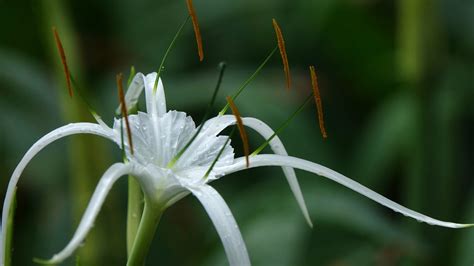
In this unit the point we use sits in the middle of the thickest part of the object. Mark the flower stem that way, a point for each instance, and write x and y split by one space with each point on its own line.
145 234
9 230
134 211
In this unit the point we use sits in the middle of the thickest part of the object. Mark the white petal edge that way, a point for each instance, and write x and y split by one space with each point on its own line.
95 204
133 92
155 100
278 148
218 123
278 160
224 223
67 130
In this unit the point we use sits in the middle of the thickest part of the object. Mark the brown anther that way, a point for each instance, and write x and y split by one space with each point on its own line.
317 99
240 125
123 108
284 56
63 60
197 32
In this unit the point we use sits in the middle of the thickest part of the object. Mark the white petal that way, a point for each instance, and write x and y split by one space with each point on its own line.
155 101
206 138
105 184
278 160
157 141
133 92
278 148
203 153
217 124
224 223
71 129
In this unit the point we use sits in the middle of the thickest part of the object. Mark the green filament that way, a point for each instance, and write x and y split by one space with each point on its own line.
222 67
284 125
252 77
219 154
80 92
130 77
168 51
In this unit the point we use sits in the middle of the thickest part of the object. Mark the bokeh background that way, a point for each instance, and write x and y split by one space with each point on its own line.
397 81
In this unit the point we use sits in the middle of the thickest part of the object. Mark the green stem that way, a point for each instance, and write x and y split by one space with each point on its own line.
135 208
9 230
145 234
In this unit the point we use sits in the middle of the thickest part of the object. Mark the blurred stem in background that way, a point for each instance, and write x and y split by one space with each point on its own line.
411 32
86 156
412 24
419 43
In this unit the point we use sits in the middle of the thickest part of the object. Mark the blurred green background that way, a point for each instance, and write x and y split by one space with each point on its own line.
397 81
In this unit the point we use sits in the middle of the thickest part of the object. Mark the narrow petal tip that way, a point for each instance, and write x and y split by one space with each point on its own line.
44 262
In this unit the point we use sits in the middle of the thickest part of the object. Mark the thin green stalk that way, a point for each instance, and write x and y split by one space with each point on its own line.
222 67
131 75
145 234
134 211
220 153
168 51
283 126
252 77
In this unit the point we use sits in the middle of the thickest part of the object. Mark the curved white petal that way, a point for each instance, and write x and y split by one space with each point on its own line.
105 184
278 148
224 223
155 100
133 92
278 160
217 124
71 129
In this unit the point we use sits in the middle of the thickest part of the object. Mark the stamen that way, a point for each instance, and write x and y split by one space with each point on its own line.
222 67
63 60
252 77
219 154
240 125
168 51
124 110
197 32
284 56
284 125
317 99
70 79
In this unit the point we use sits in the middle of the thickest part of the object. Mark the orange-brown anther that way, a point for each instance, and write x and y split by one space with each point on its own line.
284 56
317 99
63 60
197 32
240 125
123 107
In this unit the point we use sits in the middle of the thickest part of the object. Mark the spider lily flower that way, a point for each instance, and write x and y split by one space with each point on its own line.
158 137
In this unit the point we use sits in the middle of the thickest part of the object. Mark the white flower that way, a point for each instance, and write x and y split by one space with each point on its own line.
158 136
